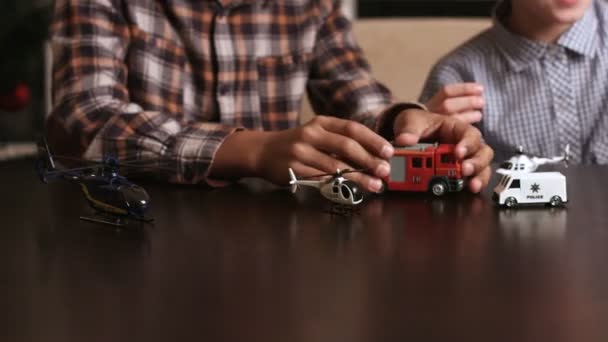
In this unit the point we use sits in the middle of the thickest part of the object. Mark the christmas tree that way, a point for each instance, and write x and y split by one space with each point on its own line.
23 28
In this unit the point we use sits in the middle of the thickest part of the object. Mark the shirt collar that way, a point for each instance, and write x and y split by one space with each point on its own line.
520 52
582 36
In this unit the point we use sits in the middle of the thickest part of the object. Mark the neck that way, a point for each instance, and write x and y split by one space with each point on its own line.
532 28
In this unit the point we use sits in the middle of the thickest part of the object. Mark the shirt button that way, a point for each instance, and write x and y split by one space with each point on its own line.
224 89
222 13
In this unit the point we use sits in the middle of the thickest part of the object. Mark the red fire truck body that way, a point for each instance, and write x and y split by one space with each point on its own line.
425 167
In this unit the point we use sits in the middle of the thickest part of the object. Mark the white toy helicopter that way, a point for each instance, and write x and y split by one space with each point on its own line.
522 163
337 189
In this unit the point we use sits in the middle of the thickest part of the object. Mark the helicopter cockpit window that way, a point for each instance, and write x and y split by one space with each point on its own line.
134 195
357 193
345 191
355 190
334 189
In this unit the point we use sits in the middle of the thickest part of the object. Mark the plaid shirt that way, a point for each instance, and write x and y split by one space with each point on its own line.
539 96
170 80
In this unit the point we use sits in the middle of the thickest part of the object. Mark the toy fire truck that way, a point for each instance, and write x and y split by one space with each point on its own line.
425 167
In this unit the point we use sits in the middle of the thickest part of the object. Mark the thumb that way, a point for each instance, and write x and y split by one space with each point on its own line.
414 124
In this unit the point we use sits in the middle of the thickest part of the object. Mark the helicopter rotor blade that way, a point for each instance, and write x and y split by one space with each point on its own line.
80 160
336 174
121 164
317 176
119 161
65 171
353 171
150 167
44 152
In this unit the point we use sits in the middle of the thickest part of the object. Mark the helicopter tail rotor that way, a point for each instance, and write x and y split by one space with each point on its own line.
44 153
293 181
45 163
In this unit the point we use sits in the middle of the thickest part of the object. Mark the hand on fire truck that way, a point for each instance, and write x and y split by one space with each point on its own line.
413 125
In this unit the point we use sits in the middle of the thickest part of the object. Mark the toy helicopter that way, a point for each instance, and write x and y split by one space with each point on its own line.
520 184
522 163
343 193
114 199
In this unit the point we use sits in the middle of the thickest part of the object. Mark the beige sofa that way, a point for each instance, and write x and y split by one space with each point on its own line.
402 51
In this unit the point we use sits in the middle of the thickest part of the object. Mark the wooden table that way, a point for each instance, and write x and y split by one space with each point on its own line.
255 263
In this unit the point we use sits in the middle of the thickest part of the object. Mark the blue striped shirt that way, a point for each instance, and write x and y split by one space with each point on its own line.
540 96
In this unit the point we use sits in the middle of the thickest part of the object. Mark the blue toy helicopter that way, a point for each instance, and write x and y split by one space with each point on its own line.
113 197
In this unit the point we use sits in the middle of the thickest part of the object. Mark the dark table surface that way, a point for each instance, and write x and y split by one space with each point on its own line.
254 262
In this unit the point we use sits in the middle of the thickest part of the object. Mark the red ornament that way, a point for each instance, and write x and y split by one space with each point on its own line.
16 99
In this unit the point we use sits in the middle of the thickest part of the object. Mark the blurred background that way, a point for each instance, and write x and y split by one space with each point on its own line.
23 31
24 89
423 8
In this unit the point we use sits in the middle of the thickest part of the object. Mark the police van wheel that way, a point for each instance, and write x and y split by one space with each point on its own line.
439 188
511 202
555 201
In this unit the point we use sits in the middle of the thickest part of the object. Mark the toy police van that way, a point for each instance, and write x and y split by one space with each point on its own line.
531 188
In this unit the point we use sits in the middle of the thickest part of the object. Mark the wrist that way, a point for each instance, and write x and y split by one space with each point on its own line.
240 155
386 124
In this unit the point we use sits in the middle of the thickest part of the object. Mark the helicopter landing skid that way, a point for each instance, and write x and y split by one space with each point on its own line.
112 221
342 210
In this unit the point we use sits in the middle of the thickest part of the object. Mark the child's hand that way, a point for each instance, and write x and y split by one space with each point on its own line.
412 125
324 145
463 101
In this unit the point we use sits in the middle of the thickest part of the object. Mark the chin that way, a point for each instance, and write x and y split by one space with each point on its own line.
570 11
569 17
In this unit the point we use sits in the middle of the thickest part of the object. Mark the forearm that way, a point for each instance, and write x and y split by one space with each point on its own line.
240 155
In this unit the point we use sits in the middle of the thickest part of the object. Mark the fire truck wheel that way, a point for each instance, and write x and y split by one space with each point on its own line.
555 201
511 202
439 188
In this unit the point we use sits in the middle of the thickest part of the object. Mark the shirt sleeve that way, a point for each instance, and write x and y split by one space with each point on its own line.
93 116
340 81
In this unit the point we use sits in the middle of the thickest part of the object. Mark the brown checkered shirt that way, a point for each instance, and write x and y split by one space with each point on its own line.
171 79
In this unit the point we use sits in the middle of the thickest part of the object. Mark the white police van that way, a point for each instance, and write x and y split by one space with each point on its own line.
531 188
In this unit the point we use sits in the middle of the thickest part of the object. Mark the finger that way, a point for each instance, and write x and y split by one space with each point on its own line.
461 89
460 104
479 182
352 152
466 137
454 90
304 171
370 184
469 117
413 124
368 139
480 161
318 160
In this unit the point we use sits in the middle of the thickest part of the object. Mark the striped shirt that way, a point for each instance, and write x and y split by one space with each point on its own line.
539 96
170 80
